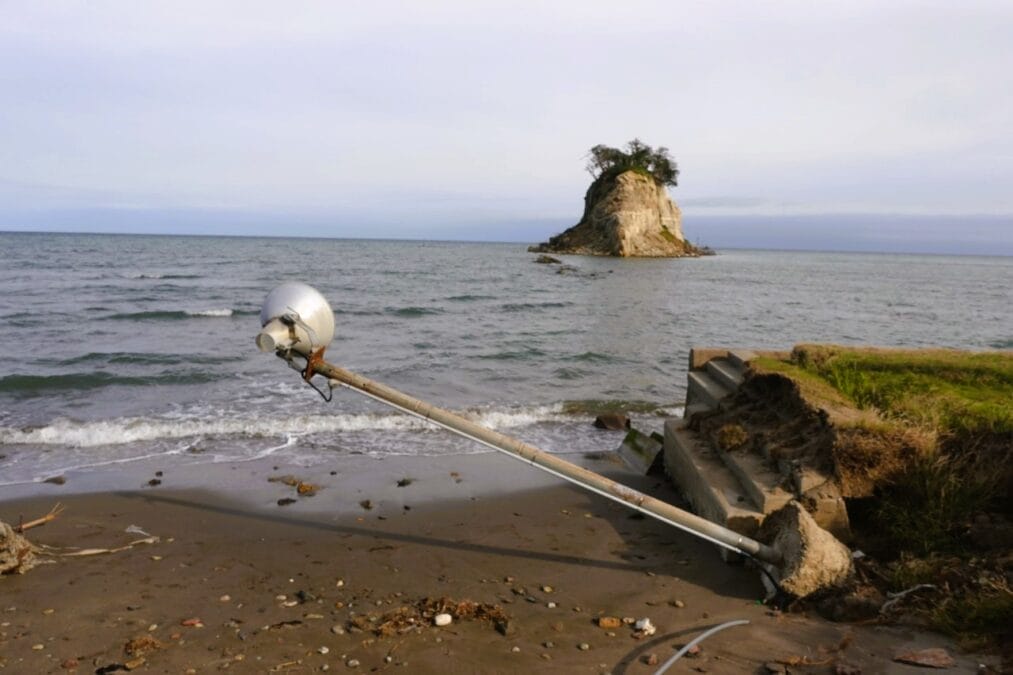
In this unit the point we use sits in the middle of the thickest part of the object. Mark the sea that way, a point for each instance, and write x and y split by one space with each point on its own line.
123 348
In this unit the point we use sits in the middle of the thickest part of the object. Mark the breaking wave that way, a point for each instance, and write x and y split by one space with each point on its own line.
70 433
176 315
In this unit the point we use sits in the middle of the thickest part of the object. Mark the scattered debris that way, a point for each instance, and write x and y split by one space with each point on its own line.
934 657
17 554
306 489
548 260
609 622
142 645
366 504
505 627
428 611
897 597
645 628
154 482
405 482
53 513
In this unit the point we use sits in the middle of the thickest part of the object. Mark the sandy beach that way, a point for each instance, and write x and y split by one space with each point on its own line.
238 582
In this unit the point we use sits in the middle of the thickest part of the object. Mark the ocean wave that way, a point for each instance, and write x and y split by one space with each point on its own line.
597 406
518 355
526 306
153 275
36 385
140 358
64 432
166 315
470 298
211 312
412 312
591 357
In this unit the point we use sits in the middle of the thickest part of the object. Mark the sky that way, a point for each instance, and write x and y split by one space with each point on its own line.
846 125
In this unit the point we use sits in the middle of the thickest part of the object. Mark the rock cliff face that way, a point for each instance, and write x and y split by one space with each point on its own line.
629 215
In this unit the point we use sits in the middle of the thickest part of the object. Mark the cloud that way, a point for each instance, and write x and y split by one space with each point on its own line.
487 108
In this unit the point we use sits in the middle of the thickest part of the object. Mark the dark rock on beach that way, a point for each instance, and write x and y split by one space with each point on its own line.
614 421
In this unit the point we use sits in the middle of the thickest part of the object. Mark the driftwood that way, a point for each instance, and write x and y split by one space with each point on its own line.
53 513
18 555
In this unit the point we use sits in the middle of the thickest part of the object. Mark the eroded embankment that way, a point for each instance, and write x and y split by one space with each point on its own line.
919 443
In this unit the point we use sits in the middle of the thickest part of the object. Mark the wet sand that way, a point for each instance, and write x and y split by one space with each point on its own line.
278 588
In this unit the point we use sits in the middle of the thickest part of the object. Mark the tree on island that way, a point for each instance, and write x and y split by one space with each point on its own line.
607 162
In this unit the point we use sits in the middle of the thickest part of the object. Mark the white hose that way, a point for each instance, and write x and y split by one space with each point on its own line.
678 655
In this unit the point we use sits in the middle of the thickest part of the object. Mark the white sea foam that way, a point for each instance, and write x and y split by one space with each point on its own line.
211 312
69 433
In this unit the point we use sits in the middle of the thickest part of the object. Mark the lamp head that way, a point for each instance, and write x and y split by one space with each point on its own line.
295 318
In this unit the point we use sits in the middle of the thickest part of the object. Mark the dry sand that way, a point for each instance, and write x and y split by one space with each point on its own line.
272 584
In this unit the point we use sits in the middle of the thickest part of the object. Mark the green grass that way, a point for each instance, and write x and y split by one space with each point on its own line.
925 509
951 391
976 620
961 403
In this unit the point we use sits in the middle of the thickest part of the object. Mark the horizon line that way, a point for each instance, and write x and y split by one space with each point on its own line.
476 241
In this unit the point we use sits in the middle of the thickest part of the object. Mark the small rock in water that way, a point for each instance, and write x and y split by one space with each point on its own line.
650 659
154 482
442 619
285 501
323 650
337 629
547 589
55 480
583 646
515 649
614 421
352 663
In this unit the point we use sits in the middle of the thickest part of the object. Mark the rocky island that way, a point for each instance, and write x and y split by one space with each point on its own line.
627 210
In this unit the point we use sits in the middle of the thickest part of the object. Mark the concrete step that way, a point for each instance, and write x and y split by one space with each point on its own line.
726 373
759 481
706 482
704 389
691 410
638 450
741 357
